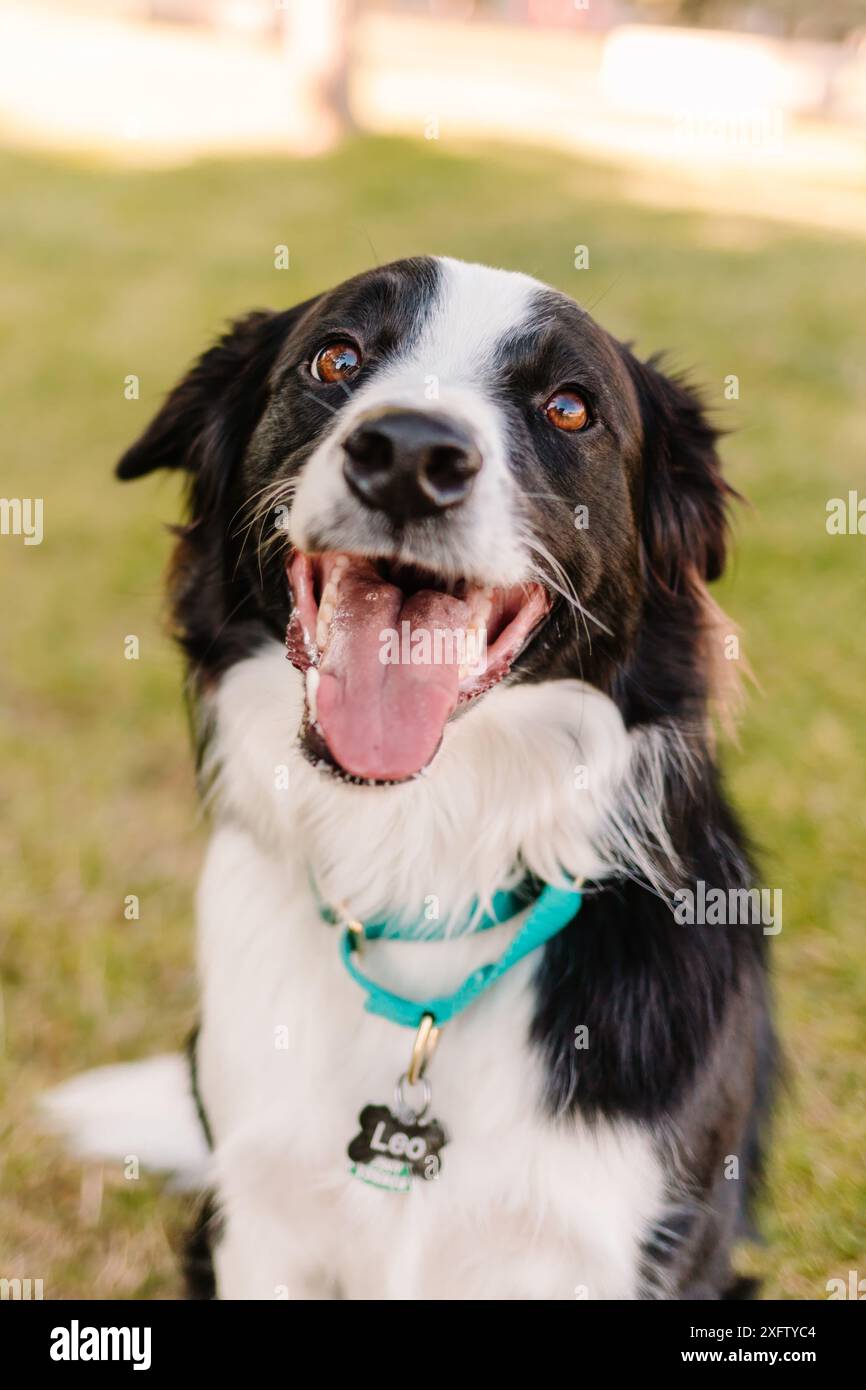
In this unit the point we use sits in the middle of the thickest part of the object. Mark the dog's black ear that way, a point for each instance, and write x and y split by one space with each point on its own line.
213 410
684 651
685 499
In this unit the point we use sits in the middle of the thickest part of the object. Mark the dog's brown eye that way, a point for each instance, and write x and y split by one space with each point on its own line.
335 362
567 410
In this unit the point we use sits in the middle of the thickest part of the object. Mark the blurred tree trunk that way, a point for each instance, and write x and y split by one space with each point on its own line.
317 38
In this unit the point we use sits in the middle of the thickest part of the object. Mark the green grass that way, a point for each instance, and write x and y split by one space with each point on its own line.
107 273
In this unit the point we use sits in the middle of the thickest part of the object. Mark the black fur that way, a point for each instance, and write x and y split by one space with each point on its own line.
197 1255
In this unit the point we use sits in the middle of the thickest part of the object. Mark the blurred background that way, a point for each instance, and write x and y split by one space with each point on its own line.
694 173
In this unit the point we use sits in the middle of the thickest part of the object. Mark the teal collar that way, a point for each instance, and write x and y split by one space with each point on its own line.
552 910
505 905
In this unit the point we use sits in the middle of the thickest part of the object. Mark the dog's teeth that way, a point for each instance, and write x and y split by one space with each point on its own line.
312 680
469 635
482 608
326 613
328 601
324 622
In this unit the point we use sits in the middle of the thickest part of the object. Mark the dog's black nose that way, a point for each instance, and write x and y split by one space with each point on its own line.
409 464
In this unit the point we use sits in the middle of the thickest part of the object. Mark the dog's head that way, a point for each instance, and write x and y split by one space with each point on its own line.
432 479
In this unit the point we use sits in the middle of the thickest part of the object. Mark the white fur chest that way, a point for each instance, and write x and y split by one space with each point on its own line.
524 1207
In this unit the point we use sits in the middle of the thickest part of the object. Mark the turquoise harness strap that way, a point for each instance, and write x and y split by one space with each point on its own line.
553 910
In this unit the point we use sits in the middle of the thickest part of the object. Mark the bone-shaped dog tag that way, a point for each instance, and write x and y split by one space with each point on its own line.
389 1150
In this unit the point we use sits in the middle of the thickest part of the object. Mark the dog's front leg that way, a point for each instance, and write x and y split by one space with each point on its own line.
273 1229
256 1256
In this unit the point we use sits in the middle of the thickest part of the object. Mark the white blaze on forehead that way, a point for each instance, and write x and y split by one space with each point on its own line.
447 366
475 309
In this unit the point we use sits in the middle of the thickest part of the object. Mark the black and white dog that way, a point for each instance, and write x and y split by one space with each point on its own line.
436 448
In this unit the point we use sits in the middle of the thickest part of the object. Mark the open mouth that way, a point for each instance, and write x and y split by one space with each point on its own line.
389 653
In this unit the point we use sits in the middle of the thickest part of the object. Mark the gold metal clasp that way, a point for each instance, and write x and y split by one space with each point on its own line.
351 924
422 1049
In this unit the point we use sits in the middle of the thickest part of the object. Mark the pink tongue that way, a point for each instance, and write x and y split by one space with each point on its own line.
384 719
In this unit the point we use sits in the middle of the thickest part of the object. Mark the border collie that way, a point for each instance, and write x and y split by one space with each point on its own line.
429 455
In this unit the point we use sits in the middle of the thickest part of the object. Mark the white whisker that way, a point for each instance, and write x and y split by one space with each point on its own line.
324 404
564 587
